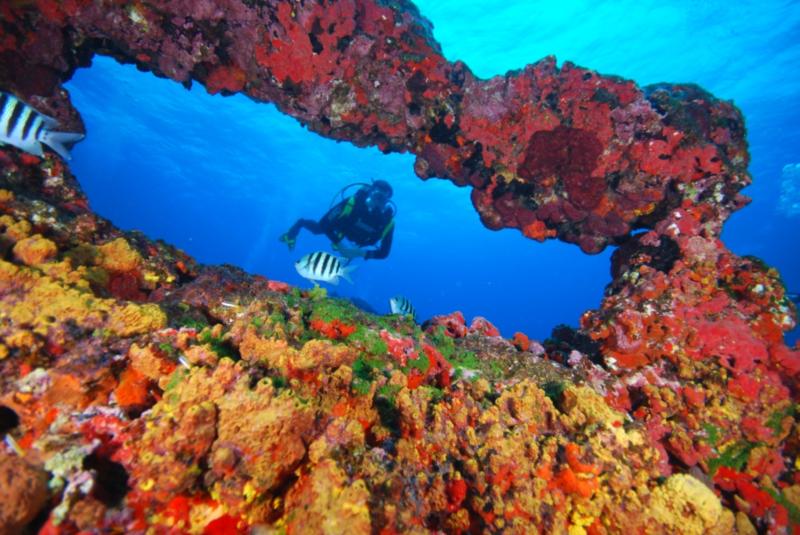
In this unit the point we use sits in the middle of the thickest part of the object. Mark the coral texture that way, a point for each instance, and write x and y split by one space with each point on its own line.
555 152
159 395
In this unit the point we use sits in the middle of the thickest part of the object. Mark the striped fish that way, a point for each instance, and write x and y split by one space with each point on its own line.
401 305
25 128
324 267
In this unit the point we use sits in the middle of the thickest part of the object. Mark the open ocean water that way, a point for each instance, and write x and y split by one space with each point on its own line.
223 177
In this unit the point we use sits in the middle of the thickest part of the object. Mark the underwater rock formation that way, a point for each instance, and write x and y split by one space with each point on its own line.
555 152
156 393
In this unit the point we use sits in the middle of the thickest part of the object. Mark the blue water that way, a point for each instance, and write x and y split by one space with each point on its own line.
223 177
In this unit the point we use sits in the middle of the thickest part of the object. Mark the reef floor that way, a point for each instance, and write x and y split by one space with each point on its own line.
142 392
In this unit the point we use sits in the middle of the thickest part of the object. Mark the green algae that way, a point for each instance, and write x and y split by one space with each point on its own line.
218 344
364 373
187 316
317 293
775 421
279 382
328 309
446 345
464 361
175 379
554 390
389 392
421 363
712 433
368 341
435 394
735 456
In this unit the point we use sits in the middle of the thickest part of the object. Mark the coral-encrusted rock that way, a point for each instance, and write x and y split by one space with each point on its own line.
229 402
331 503
23 493
34 250
287 409
166 461
262 433
685 493
551 151
118 255
35 300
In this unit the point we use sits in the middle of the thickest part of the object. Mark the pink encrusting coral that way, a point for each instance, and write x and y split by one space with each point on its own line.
159 395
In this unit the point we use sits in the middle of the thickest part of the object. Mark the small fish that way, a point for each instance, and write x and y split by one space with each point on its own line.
25 128
794 297
401 305
324 267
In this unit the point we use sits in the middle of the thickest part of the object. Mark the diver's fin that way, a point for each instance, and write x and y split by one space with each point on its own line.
61 142
288 240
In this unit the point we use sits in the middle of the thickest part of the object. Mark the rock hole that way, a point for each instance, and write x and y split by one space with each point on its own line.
8 419
111 479
223 177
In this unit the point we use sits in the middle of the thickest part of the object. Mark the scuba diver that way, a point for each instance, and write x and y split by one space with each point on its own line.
364 218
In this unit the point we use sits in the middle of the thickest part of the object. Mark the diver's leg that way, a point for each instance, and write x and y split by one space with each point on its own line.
314 227
290 236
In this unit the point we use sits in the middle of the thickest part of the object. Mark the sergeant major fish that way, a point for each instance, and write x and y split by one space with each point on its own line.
25 128
401 305
322 266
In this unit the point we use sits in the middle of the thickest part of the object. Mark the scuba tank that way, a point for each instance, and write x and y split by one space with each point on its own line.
340 196
363 186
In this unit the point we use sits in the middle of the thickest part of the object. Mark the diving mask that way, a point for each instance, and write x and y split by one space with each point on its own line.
376 199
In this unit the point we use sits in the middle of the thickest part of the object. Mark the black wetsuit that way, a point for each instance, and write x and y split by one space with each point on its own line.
352 219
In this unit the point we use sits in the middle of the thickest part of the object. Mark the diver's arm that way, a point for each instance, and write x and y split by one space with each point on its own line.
383 249
334 215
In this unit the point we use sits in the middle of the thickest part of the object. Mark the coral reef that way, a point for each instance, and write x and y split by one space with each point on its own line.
200 399
555 152
142 392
